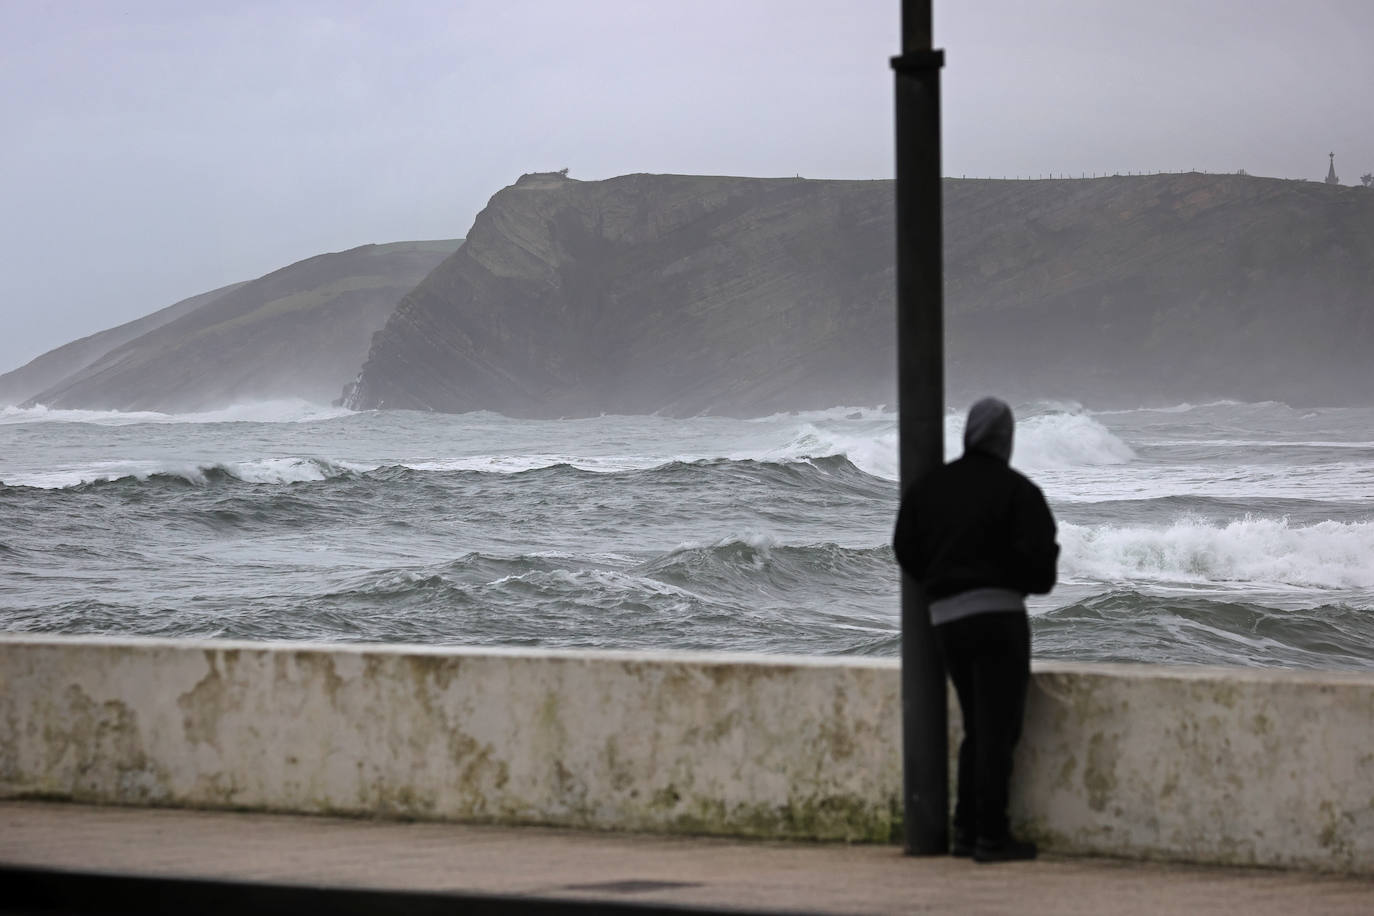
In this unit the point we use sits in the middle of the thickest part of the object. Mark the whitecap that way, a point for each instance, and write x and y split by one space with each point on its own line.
1067 440
289 410
265 470
872 412
288 470
1253 552
872 451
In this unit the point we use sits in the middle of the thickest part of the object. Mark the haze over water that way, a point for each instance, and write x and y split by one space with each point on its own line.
1223 533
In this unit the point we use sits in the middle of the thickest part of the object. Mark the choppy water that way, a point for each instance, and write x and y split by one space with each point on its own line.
1223 533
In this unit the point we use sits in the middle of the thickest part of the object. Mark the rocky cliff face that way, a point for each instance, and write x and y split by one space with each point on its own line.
299 332
647 293
1163 288
686 295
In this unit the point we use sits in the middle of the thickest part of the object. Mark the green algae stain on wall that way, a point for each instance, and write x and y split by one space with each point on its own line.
1158 765
1099 774
1336 835
430 674
477 775
203 704
95 752
320 665
845 818
1064 780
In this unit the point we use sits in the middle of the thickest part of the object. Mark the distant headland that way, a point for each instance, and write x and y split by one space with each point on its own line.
685 295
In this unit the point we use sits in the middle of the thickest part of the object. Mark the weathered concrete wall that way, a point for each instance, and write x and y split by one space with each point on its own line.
1237 766
1207 765
715 744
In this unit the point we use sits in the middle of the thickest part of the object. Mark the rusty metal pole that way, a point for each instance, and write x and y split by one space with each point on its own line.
921 431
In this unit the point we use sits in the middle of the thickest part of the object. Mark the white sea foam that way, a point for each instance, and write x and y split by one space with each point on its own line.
1270 443
1049 441
1045 441
878 412
873 451
1053 440
265 470
1248 552
1036 408
1066 440
100 471
288 470
1188 407
291 410
41 414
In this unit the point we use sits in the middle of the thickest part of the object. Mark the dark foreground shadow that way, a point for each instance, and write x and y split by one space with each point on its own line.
75 893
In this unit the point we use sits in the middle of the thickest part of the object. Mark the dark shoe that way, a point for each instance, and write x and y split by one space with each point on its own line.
1009 850
962 847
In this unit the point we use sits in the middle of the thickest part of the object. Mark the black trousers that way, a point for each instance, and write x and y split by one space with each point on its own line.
988 659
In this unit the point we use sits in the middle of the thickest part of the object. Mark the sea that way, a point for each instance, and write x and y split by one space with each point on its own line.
1225 533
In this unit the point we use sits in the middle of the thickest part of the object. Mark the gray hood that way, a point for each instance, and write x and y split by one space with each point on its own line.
989 428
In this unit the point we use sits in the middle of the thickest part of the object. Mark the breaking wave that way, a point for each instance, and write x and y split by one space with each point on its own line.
1042 441
1066 440
874 452
290 410
287 470
1232 533
1254 551
262 471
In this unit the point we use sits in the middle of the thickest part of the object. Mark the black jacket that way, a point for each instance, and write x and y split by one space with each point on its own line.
976 523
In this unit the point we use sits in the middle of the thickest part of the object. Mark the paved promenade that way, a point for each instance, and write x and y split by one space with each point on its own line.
767 877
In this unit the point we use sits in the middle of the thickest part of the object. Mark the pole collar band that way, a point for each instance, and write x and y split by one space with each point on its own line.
919 61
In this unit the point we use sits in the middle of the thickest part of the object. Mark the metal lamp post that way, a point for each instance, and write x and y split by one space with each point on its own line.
920 384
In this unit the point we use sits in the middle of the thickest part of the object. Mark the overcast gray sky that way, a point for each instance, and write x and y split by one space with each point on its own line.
155 149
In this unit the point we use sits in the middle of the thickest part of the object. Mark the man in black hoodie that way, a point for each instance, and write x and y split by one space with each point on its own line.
978 537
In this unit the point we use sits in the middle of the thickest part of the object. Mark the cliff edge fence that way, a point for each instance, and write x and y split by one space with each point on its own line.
1207 765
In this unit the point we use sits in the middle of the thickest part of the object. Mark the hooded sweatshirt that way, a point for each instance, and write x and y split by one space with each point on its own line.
976 534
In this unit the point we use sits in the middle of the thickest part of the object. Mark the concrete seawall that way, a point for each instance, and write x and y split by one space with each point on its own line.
1204 765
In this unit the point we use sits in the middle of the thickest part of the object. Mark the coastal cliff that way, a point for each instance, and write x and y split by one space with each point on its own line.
649 293
298 332
50 368
1160 289
686 295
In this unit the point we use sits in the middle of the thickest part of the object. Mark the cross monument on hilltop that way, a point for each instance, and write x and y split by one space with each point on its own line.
1331 171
